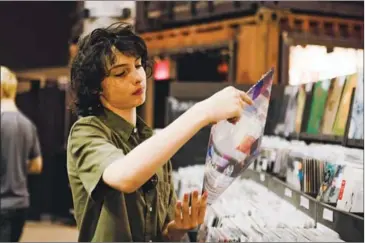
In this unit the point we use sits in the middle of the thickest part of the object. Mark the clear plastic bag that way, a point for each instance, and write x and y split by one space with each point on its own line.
233 147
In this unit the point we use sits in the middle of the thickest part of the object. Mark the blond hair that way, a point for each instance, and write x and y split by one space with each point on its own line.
8 83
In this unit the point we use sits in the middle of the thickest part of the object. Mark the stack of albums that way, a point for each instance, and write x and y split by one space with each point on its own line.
249 212
329 173
323 107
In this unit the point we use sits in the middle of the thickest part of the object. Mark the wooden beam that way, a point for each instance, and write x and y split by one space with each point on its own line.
258 40
148 110
258 47
195 35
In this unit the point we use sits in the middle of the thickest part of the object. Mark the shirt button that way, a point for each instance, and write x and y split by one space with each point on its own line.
135 130
150 209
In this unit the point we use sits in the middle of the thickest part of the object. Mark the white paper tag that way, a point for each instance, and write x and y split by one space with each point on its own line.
264 164
288 192
273 155
328 214
262 177
304 202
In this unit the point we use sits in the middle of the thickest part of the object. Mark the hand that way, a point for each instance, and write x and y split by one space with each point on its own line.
187 218
225 104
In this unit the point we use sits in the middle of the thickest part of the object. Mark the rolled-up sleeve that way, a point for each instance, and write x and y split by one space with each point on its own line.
92 151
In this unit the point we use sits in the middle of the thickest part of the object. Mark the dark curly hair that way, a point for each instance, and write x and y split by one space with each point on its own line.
88 68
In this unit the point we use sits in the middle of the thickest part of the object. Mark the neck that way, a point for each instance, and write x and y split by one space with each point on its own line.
8 105
130 115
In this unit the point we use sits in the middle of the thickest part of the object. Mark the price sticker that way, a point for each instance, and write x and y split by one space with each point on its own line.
304 202
288 192
262 177
328 214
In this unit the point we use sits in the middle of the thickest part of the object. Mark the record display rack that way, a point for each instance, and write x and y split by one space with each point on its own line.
322 138
329 139
355 143
349 226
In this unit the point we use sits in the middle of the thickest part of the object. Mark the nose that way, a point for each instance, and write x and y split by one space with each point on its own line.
137 77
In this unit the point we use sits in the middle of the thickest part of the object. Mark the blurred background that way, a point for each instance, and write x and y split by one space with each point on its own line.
198 47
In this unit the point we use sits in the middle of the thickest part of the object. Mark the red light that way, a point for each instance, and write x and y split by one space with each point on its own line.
223 68
162 70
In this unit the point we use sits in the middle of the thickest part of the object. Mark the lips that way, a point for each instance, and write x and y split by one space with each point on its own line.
138 91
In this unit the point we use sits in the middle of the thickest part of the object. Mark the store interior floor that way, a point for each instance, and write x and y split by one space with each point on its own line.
47 231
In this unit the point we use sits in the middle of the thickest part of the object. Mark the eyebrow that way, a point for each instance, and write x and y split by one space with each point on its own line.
119 65
122 65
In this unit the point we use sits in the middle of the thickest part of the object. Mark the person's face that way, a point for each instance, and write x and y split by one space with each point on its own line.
125 84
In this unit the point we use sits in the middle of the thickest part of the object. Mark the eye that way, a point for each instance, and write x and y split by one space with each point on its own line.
138 66
120 74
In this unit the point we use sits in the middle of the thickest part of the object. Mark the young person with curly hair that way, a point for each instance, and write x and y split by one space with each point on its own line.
120 175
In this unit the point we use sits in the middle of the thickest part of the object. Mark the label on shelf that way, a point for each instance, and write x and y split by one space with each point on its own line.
327 214
264 164
304 202
288 192
262 177
273 155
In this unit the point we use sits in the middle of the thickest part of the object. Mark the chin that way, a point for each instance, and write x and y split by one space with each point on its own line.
140 101
139 104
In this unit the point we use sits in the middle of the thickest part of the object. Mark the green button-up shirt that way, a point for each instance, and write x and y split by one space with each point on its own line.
103 213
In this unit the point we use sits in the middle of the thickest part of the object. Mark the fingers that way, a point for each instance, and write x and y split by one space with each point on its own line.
241 103
245 97
242 100
185 211
241 94
203 207
178 211
186 220
195 205
239 108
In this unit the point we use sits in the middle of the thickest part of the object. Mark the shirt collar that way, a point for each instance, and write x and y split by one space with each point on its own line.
123 127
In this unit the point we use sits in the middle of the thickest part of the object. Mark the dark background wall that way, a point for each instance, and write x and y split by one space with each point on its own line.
35 34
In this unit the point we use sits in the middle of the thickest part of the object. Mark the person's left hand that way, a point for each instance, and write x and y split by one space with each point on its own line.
188 218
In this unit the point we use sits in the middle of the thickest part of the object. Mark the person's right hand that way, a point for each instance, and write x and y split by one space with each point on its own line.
225 104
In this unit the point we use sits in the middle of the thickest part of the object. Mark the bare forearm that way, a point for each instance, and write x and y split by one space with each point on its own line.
35 165
133 170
